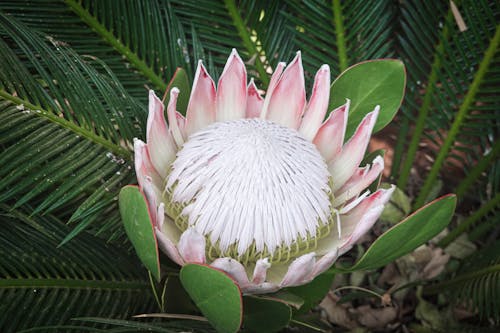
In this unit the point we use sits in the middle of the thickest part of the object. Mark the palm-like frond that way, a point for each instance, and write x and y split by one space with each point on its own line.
451 60
74 76
477 284
129 37
66 128
41 284
341 34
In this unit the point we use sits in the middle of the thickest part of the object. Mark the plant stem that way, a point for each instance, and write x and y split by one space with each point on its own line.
359 288
132 57
478 169
247 41
438 287
84 133
425 107
338 24
400 147
465 225
460 118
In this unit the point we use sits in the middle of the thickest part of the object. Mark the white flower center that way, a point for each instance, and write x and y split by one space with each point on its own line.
253 188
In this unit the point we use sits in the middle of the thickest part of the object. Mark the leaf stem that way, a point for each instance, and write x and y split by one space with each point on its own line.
108 36
112 147
460 118
338 24
478 169
425 107
247 41
359 288
465 225
438 287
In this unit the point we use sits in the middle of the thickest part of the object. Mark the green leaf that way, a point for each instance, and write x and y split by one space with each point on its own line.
85 277
137 222
285 297
368 84
409 234
314 291
216 295
181 81
264 315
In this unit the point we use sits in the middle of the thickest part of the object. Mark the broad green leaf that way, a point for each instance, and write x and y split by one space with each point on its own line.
216 295
314 291
180 80
265 315
409 234
285 297
138 226
368 84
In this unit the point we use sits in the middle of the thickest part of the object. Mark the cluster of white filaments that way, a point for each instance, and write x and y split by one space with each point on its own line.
251 187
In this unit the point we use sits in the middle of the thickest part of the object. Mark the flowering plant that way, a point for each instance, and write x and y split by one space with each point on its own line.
262 193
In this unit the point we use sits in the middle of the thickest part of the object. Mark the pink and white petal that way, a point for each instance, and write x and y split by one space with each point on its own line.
272 85
232 90
192 246
164 239
288 99
168 248
260 271
152 194
233 268
143 166
380 197
299 271
324 263
254 101
318 104
358 182
263 288
201 108
161 146
176 121
356 230
362 217
346 163
330 137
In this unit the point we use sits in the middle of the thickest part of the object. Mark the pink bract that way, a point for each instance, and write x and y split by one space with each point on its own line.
352 208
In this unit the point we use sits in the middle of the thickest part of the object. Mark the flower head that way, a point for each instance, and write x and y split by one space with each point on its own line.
261 188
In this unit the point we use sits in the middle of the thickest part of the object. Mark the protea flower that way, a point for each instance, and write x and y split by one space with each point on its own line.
260 188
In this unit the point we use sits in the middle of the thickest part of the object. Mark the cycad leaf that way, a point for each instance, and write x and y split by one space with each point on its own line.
66 128
84 278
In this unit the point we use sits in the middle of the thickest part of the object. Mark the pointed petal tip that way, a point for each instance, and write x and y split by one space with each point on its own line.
174 91
138 144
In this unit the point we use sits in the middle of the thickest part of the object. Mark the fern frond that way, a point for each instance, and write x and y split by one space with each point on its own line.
438 96
478 283
341 34
85 277
66 128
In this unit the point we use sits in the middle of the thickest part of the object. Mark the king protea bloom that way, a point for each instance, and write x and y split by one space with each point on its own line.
260 188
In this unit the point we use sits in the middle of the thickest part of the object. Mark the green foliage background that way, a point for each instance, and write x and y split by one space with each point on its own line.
73 87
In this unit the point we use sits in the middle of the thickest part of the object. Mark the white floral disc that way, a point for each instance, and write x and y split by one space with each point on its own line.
252 187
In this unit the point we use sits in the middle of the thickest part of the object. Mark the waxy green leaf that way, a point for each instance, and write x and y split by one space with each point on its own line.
407 235
180 80
265 315
368 84
313 292
139 229
216 295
